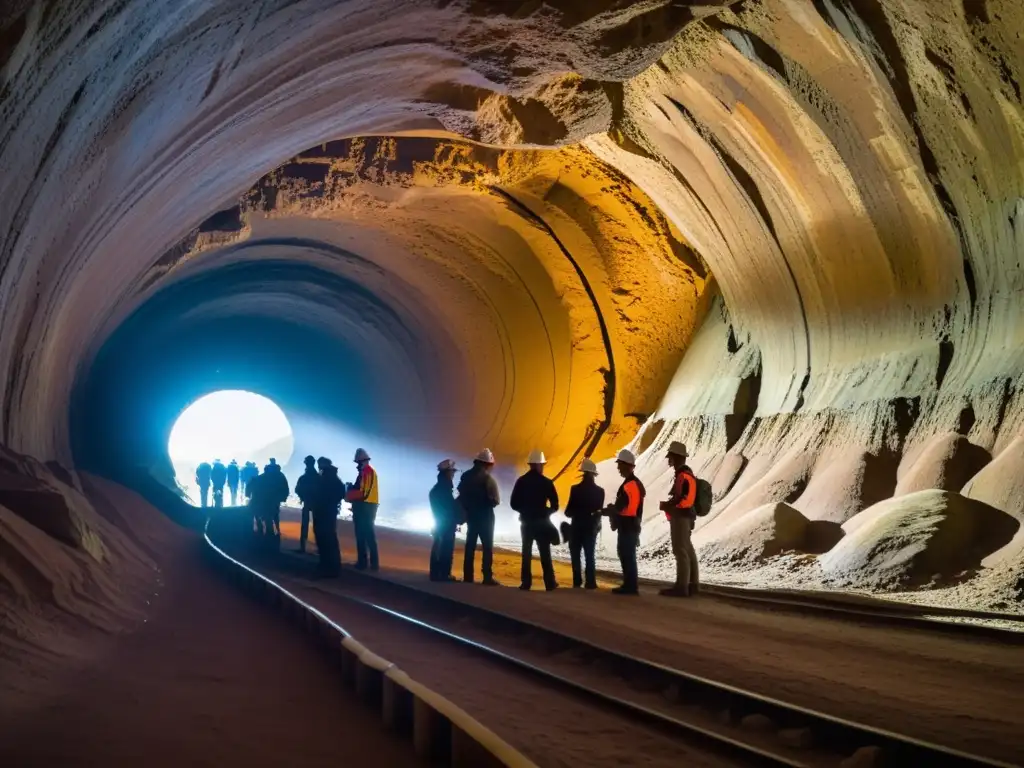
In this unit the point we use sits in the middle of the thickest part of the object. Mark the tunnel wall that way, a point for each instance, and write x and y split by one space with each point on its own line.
830 191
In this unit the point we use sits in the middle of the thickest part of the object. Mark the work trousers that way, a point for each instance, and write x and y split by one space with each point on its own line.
582 543
629 537
218 496
480 525
204 495
364 516
234 495
443 550
325 530
537 532
304 528
681 528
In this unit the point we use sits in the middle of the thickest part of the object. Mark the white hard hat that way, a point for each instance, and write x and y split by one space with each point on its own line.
536 457
446 465
626 457
588 466
678 448
361 455
485 456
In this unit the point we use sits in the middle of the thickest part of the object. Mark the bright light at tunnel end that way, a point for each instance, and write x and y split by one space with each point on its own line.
229 424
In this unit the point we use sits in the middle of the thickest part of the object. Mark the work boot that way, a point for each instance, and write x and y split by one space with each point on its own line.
674 592
590 586
550 587
624 590
525 587
490 581
694 589
360 566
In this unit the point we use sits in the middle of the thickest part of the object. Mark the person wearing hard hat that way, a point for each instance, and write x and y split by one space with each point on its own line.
305 489
446 520
586 499
365 500
534 497
679 510
203 481
478 497
627 513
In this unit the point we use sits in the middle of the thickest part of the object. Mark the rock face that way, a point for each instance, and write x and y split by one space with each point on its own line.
924 537
785 232
61 513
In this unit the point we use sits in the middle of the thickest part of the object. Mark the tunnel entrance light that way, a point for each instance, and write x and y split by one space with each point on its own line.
229 424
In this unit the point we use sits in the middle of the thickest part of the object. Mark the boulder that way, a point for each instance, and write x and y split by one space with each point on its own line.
761 533
60 512
929 537
1001 483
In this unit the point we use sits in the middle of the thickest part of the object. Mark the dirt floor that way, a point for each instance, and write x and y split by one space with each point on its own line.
958 691
210 678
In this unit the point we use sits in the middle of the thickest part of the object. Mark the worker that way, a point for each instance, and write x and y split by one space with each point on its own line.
270 491
328 491
364 497
246 476
203 481
233 477
478 497
447 516
534 497
627 513
682 518
218 476
586 500
305 489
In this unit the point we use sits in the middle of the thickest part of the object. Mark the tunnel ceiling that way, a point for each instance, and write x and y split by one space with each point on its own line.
787 231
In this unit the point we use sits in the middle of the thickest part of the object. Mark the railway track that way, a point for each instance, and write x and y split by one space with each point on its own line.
1003 627
736 724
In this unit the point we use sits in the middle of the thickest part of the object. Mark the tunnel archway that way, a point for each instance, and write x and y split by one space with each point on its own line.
229 425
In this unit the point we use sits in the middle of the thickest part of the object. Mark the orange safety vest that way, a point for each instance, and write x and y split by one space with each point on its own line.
687 500
634 497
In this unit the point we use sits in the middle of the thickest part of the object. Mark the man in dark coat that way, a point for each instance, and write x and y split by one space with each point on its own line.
233 477
534 497
447 517
478 497
328 493
586 500
305 489
218 476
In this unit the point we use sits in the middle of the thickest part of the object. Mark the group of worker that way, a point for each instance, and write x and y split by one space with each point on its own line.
217 475
535 498
321 492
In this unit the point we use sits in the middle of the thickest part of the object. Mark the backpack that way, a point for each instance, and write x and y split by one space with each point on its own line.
702 504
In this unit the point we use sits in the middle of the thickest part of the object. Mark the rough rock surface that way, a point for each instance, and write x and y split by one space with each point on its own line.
785 230
765 532
927 537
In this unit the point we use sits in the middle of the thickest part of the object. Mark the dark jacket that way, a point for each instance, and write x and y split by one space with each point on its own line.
327 491
586 500
306 486
442 503
478 491
218 474
232 475
534 497
270 489
203 474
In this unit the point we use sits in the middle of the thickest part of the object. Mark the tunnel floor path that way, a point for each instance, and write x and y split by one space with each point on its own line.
211 679
955 690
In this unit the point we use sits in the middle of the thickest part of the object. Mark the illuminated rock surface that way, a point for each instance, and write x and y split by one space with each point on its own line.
789 233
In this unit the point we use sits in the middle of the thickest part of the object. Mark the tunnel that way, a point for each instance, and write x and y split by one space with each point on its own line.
788 233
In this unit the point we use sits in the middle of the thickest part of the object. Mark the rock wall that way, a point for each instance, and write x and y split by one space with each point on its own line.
519 217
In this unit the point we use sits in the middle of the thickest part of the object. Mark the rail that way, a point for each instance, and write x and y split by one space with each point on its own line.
843 739
440 731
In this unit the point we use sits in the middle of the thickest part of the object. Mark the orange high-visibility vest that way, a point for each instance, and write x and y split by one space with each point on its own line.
684 500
